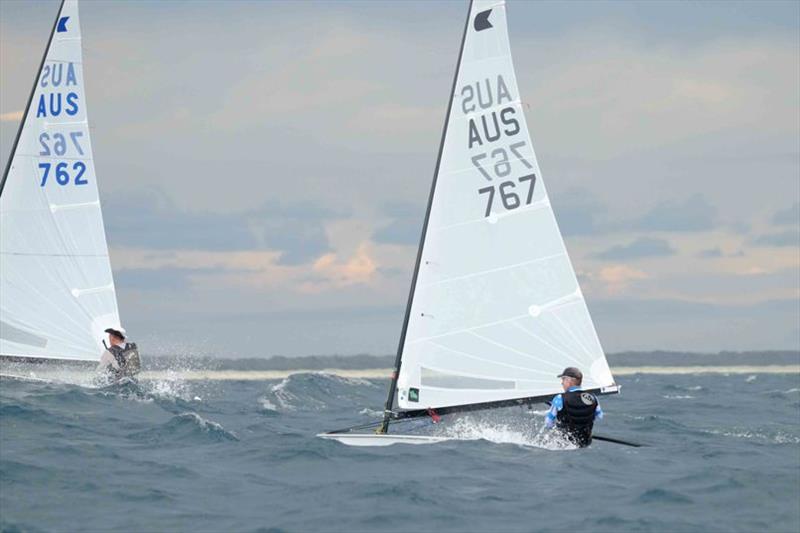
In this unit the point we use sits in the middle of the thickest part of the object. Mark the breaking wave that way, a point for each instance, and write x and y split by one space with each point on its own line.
318 391
183 429
516 432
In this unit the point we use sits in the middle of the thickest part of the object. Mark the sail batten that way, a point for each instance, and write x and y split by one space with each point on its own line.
494 300
57 289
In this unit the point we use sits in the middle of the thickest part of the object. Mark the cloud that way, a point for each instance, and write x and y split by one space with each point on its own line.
619 277
580 214
640 248
11 116
405 226
629 323
710 253
782 238
692 214
262 271
788 217
332 271
150 220
630 85
717 253
158 279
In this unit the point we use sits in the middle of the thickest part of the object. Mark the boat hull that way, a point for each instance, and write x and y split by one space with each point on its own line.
366 439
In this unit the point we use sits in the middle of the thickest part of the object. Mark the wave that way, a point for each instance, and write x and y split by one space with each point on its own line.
520 432
663 496
185 429
171 393
12 411
11 527
317 391
683 388
772 437
778 393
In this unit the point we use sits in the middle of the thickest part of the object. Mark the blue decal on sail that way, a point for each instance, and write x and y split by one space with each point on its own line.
62 25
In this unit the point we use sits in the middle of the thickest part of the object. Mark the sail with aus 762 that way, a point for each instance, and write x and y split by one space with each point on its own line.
57 290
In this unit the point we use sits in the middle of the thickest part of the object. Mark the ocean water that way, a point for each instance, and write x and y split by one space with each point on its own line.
172 455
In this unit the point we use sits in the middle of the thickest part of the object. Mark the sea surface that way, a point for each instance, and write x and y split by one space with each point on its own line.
171 454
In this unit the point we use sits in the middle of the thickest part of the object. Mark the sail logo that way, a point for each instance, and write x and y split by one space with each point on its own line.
482 21
62 25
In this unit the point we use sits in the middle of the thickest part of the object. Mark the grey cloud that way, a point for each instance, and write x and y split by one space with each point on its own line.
692 214
641 247
150 220
782 238
718 286
682 325
157 279
711 253
788 217
297 230
579 214
406 224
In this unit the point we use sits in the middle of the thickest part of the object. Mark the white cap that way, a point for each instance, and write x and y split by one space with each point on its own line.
117 329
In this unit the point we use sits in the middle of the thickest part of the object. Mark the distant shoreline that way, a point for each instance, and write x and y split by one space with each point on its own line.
380 373
377 363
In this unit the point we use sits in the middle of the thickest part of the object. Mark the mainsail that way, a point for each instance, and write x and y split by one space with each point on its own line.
495 310
57 291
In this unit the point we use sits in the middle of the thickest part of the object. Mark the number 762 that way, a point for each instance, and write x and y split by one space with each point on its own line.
510 199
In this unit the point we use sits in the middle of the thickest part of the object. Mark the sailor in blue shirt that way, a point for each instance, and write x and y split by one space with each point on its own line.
574 412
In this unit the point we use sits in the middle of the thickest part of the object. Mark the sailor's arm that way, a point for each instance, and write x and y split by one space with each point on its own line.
106 360
555 407
598 413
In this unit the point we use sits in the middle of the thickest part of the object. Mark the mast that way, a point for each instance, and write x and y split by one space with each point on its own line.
387 411
30 99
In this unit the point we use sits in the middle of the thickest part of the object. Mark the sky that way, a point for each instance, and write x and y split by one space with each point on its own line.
264 167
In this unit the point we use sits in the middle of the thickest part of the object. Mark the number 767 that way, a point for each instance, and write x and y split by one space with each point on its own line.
510 199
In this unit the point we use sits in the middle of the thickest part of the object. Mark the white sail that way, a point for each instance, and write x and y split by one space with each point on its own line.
57 291
496 311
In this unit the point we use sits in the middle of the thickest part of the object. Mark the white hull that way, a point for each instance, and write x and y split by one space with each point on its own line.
25 378
365 439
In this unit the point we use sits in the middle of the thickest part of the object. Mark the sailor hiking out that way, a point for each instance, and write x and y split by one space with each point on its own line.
120 359
574 411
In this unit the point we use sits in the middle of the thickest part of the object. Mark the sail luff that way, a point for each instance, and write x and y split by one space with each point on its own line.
398 359
30 100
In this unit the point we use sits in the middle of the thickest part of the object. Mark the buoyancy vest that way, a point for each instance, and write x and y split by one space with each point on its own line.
127 358
576 417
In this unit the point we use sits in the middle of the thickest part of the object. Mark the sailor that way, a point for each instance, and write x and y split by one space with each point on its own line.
120 358
574 411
